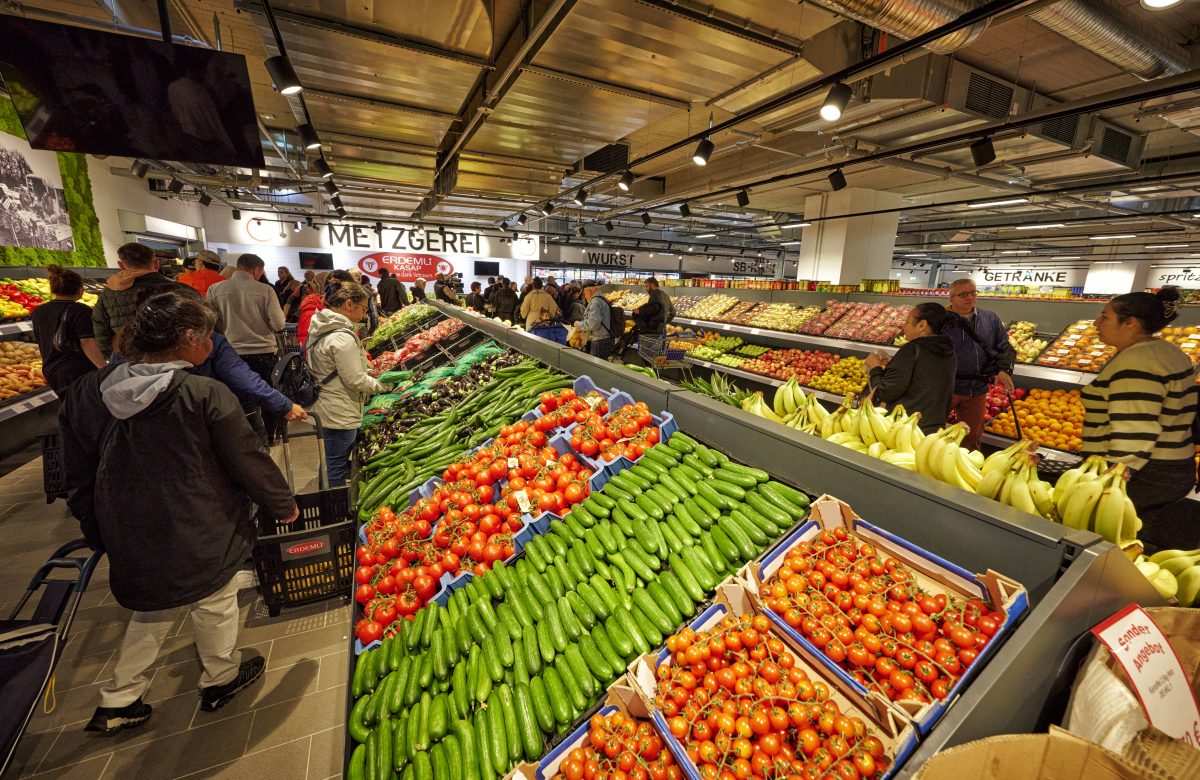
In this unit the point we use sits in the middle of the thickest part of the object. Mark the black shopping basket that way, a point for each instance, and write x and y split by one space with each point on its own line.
311 559
53 477
288 339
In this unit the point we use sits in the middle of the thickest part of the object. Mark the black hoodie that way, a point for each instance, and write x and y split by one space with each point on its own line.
921 378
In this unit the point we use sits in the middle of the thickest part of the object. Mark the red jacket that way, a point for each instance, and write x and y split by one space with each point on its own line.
308 307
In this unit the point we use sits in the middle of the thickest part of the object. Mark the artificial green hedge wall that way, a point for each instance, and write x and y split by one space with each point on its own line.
77 188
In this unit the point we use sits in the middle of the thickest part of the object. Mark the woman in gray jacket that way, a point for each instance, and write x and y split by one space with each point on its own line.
337 361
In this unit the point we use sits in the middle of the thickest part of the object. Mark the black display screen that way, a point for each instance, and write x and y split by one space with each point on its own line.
487 268
317 261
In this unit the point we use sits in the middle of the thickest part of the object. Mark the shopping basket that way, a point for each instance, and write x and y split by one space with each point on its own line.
53 478
288 339
311 559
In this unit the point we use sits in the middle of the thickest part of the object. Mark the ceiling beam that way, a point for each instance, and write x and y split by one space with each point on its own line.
729 24
607 86
387 105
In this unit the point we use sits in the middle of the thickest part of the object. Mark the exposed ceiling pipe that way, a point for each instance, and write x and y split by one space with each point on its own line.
100 24
909 19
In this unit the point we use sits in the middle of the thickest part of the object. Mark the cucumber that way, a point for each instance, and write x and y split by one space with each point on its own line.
581 671
572 685
527 726
615 661
650 506
738 535
356 770
483 747
650 469
437 759
621 642
589 597
719 499
648 626
400 743
681 442
545 642
645 537
687 578
531 650
604 501
422 766
541 705
467 749
558 634
669 483
585 616
756 534
607 597
744 481
726 547
538 587
520 669
708 455
704 512
662 599
554 579
700 569
693 461
512 730
636 514
439 718
773 511
788 492
642 600
498 740
630 628
596 663
557 693
671 583
570 623
747 515
452 754
426 704
674 542
491 659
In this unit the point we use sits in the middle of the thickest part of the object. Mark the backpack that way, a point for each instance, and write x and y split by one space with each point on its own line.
292 377
616 320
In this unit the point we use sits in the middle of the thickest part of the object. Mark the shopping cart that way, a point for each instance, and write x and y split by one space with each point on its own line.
31 647
312 559
655 349
288 339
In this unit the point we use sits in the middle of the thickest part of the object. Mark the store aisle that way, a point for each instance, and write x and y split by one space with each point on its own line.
289 724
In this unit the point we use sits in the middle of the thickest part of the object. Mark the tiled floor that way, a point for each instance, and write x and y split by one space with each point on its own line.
288 725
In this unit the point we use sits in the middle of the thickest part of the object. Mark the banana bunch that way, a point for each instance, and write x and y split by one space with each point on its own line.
1092 497
939 456
905 433
789 398
1182 566
755 404
873 425
1011 478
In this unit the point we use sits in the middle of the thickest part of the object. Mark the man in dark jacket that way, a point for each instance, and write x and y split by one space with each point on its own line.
392 295
984 356
653 315
475 298
118 300
504 302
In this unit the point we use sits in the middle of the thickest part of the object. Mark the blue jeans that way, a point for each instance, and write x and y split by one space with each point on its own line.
338 443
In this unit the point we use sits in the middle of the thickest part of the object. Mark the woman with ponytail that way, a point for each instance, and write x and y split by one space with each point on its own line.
1140 410
63 329
921 375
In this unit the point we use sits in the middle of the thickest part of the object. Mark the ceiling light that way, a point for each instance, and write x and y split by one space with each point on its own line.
139 168
176 186
323 168
1065 257
1015 251
992 203
796 225
789 243
652 254
1165 246
378 227
504 226
237 213
296 226
1158 5
580 197
284 75
309 221
205 199
308 137
626 182
743 198
600 241
982 152
1112 237
337 202
836 101
685 211
646 218
608 226
916 255
548 209
330 187
581 231
954 246
707 235
1043 226
837 180
704 150
341 212
522 219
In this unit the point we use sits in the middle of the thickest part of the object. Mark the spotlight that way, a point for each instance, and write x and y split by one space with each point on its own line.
548 209
580 197
176 186
837 180
284 75
836 101
139 168
308 137
608 226
626 182
704 150
308 221
581 231
504 226
341 212
378 227
296 227
743 198
337 203
323 168
237 213
522 219
646 218
685 211
205 199
982 152
331 188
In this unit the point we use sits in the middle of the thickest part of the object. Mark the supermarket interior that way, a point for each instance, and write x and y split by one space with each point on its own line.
600 389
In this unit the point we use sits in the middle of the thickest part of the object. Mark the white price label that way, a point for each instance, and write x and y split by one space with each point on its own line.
1051 359
1154 671
593 400
755 332
1085 361
523 501
513 463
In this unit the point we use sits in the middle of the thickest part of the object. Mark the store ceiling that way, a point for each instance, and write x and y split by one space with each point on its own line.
518 93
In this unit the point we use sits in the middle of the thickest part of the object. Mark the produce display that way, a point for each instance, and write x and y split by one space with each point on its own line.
615 741
740 313
709 307
1052 418
729 359
685 303
19 297
783 316
627 299
821 322
399 322
20 369
1186 338
885 327
996 403
1023 337
752 350
1078 348
845 377
626 432
717 386
803 365
714 348
856 319
1174 573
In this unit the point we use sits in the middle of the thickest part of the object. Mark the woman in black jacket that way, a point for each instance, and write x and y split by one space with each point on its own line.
921 374
161 468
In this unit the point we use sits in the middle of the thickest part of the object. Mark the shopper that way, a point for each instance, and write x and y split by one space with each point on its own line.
1141 409
283 283
538 306
117 301
596 321
575 306
418 291
63 329
373 307
204 275
392 295
504 302
336 358
252 316
475 299
984 357
526 289
312 303
291 304
173 539
920 377
653 315
445 292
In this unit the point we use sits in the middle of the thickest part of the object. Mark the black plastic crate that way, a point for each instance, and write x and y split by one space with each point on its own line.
313 558
53 479
288 340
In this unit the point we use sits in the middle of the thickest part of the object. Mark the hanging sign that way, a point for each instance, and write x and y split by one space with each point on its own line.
405 266
1188 278
1050 277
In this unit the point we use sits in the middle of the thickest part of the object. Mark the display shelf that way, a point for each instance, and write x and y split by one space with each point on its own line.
1003 442
16 328
26 402
760 378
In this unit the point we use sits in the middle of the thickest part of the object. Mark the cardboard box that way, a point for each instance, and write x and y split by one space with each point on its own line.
932 574
1104 709
1054 756
899 736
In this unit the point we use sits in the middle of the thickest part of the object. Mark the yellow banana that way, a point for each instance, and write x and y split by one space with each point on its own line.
1165 583
924 447
1166 555
877 449
1020 498
866 431
777 404
933 459
1080 503
976 458
989 486
1043 496
1180 564
816 412
1110 513
1189 586
968 473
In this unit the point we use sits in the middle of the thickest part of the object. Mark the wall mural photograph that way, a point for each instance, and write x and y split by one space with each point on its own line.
33 208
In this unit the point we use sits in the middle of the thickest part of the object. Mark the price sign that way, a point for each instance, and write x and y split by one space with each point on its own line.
513 463
1085 361
593 400
755 332
1154 671
1051 359
523 501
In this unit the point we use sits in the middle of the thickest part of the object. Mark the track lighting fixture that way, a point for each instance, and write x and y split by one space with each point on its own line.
237 213
548 209
308 221
626 182
323 168
139 168
982 152
837 180
836 101
608 226
341 212
580 197
205 199
337 203
296 226
308 137
504 226
284 75
581 231
685 211
646 218
522 219
331 188
378 227
743 198
176 186
704 150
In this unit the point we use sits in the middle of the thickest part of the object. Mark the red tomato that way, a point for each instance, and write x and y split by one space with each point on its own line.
385 614
425 586
369 631
364 594
364 574
387 585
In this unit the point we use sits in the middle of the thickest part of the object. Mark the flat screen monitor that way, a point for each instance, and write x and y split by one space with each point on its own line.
316 261
487 268
80 90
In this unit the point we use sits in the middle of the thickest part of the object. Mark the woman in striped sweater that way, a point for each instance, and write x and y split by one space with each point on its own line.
1141 409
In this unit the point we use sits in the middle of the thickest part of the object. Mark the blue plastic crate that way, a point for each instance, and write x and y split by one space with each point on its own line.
927 717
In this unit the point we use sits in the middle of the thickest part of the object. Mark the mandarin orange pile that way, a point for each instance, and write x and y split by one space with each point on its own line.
1053 418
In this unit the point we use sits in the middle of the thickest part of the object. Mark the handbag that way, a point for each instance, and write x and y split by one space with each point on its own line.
63 340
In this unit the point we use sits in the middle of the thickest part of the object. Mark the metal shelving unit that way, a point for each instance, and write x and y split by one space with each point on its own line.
16 328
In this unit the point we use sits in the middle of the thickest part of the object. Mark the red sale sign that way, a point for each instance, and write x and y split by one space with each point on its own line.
406 266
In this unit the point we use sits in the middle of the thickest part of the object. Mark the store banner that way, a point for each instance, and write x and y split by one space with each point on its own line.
1187 278
405 266
1034 277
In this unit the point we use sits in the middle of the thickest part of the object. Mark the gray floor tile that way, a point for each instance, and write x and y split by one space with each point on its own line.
335 670
88 769
184 753
294 719
274 687
311 644
87 670
285 761
325 754
31 750
184 676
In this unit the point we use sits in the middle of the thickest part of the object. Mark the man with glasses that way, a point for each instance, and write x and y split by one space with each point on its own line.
983 355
